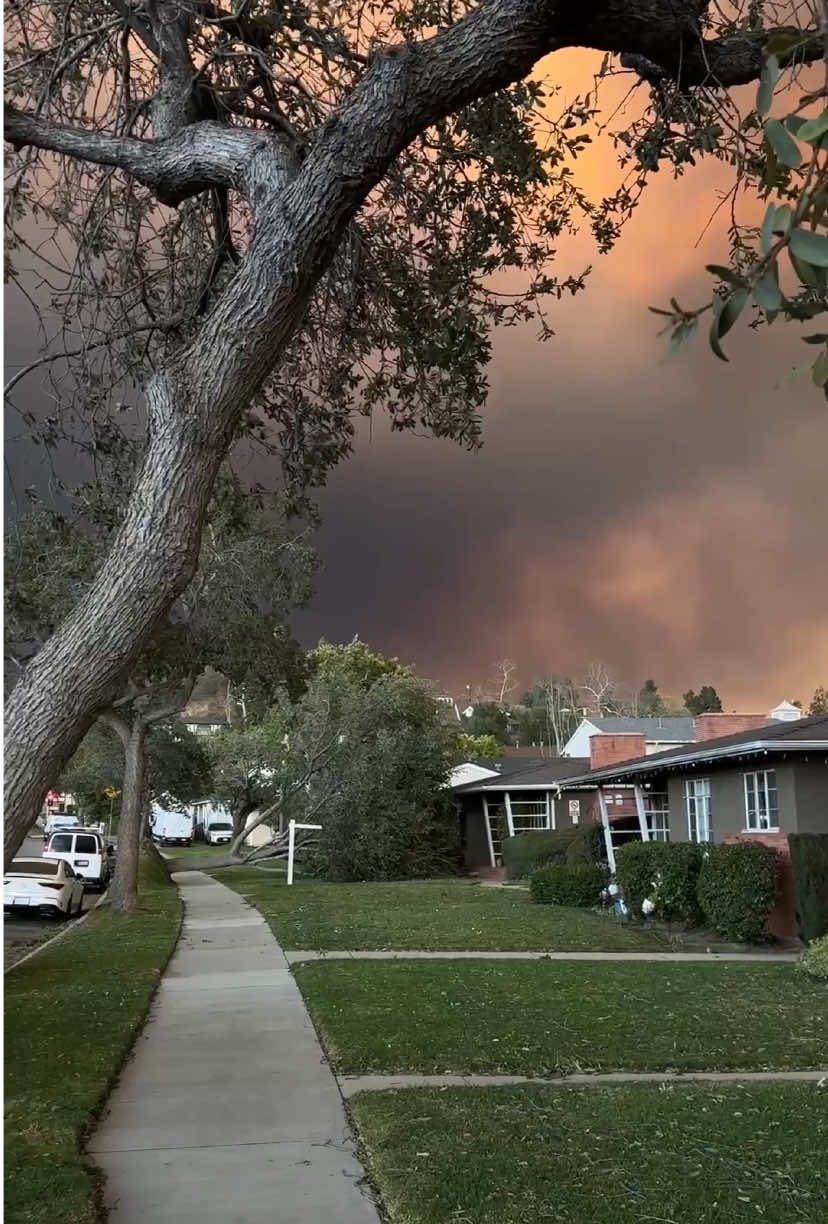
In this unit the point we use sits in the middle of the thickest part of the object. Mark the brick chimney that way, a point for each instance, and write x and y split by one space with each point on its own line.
712 726
610 749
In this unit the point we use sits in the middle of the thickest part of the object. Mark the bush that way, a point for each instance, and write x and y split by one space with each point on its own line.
576 884
587 846
636 870
737 889
525 852
814 960
809 859
679 864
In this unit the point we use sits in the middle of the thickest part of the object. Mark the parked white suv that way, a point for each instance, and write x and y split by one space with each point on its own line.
218 833
85 851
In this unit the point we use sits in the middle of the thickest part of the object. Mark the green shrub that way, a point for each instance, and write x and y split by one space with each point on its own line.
679 864
814 960
636 870
577 884
587 846
525 852
809 859
737 889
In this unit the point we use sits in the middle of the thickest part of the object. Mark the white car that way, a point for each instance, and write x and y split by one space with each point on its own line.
218 833
40 886
86 853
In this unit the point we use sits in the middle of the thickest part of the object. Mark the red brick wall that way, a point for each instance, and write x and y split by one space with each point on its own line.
711 726
782 919
609 749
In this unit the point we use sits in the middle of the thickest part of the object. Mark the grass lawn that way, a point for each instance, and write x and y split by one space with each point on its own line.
683 1154
439 916
71 1016
543 1017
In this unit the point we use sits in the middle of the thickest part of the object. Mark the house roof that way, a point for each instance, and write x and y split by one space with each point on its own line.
539 775
664 729
804 735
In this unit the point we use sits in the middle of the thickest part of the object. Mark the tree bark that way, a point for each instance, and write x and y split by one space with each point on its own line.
123 891
194 405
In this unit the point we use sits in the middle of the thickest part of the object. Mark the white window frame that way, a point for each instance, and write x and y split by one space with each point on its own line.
757 775
697 799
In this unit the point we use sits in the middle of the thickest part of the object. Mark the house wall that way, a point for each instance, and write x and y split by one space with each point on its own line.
810 780
578 743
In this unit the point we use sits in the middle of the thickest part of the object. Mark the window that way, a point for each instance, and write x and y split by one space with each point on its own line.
762 801
574 810
61 843
68 872
657 810
86 845
36 867
529 811
699 825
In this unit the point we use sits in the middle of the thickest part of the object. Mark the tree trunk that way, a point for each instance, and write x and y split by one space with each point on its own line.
123 892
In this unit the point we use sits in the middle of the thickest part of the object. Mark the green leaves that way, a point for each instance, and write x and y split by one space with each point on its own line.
767 84
725 313
812 130
766 291
783 144
809 246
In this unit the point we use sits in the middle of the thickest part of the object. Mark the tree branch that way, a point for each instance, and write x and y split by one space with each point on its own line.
198 157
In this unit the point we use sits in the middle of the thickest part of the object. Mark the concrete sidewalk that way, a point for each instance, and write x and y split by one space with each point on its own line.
227 1112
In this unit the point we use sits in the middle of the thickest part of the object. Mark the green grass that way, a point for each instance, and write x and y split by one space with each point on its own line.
545 1017
439 916
71 1016
682 1154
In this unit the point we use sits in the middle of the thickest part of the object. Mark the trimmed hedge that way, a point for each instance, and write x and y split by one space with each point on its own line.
737 890
814 960
525 852
809 860
577 884
636 870
679 864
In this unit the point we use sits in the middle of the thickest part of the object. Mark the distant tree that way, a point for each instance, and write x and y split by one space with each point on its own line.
706 701
819 701
489 718
503 682
471 747
650 702
597 691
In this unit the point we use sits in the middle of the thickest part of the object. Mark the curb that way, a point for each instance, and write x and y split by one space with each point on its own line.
296 957
350 1085
64 931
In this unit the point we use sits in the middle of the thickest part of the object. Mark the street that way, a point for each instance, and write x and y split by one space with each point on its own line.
22 933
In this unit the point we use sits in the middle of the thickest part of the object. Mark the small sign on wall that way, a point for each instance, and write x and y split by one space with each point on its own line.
574 810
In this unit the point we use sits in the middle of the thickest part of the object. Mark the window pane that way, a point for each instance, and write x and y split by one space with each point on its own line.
86 845
61 842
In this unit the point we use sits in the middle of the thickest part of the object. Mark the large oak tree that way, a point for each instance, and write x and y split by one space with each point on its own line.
293 143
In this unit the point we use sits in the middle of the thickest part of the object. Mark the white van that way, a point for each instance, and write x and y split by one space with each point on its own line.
172 828
86 852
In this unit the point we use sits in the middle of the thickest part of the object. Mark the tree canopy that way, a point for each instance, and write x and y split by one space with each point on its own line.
275 219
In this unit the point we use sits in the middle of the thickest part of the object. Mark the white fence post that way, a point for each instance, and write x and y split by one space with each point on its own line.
291 846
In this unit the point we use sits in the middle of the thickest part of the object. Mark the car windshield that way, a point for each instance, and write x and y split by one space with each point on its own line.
86 844
61 842
33 867
220 827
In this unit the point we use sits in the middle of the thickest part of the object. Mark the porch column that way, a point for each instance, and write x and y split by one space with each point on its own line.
488 831
602 803
550 810
509 820
642 813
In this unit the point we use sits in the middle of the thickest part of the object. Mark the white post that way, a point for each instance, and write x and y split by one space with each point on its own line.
291 844
642 814
488 831
602 802
550 811
509 820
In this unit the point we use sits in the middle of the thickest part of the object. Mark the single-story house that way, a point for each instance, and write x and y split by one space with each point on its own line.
764 783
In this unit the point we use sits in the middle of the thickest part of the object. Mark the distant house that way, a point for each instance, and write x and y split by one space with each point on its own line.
658 733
